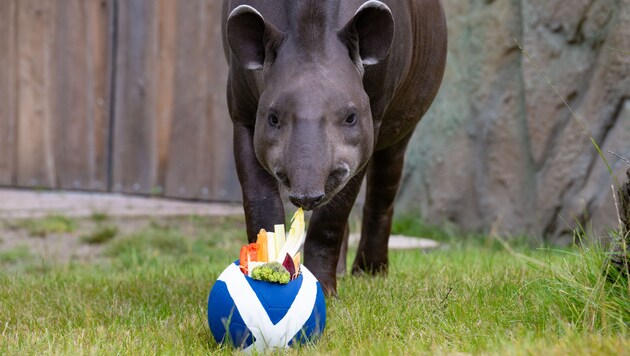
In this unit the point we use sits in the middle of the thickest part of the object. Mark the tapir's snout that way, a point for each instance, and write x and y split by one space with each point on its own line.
306 201
309 197
307 187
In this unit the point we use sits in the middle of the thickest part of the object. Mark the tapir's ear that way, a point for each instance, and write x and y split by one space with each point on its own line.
250 38
370 32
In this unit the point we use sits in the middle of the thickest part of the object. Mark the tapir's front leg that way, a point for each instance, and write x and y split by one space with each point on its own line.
261 198
326 232
383 180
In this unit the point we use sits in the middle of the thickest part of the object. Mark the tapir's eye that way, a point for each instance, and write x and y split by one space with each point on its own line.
273 120
351 119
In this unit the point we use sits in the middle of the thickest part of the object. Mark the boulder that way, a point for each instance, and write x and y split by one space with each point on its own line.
530 85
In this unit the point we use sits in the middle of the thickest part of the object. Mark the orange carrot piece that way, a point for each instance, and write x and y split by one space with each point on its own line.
263 252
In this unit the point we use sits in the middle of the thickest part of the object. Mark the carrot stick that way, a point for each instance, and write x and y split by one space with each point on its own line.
263 255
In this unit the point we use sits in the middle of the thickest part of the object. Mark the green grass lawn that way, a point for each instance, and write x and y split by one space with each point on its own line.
148 295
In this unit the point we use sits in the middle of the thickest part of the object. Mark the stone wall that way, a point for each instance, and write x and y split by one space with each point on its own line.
499 147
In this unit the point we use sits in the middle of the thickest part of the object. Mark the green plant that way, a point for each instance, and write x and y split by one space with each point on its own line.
15 255
51 224
413 225
585 288
98 216
101 234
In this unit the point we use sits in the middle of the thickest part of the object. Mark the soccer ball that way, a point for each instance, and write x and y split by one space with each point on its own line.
252 314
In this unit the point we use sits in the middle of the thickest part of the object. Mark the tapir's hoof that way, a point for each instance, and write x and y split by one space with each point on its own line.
369 268
329 286
330 293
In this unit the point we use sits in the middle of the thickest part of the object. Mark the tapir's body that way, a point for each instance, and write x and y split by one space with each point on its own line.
321 94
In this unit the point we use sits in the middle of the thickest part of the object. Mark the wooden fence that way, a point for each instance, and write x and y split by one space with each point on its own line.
115 95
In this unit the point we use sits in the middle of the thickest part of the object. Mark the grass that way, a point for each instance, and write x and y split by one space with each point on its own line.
51 224
14 256
98 216
475 296
101 234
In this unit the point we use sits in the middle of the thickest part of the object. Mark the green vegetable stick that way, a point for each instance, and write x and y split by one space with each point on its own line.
280 240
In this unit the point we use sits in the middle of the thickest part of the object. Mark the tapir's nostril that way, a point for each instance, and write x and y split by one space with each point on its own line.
306 201
282 177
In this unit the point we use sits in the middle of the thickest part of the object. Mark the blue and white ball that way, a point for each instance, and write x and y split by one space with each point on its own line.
258 315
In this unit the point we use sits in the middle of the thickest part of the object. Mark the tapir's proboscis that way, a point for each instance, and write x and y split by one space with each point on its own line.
322 94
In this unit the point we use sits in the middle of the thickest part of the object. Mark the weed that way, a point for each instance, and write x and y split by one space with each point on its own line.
102 234
99 217
151 242
15 255
584 289
414 226
51 224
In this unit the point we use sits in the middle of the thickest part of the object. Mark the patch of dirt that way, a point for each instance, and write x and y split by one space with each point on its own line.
16 204
67 246
126 212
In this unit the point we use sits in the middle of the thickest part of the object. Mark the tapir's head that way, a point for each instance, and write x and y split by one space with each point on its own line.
314 129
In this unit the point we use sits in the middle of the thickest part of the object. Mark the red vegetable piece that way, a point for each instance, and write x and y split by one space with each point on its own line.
242 261
289 265
248 253
253 251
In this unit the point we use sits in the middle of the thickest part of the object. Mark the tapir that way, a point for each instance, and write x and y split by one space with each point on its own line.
323 94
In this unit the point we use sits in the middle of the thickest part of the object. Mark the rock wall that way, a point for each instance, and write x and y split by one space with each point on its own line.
500 147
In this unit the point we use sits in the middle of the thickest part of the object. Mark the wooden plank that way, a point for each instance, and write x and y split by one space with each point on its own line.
166 23
98 23
134 158
200 157
35 160
79 118
226 186
7 91
190 132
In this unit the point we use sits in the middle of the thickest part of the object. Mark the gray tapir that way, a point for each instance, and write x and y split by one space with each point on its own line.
322 94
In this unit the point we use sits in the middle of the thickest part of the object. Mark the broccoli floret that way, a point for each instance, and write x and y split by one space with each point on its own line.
271 272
